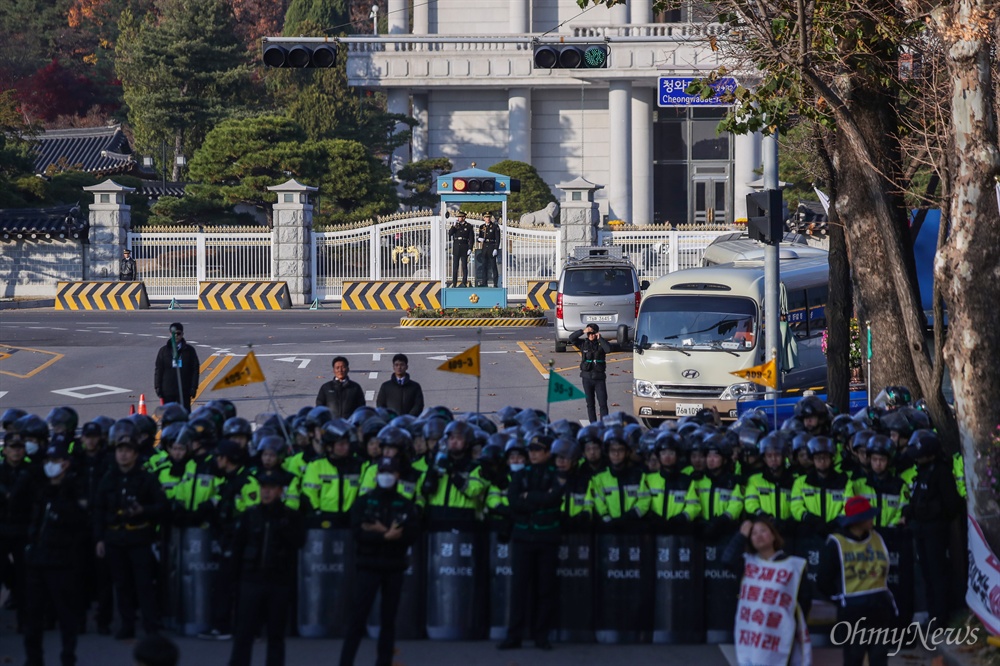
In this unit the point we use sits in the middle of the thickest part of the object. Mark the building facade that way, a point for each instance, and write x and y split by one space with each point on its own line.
464 70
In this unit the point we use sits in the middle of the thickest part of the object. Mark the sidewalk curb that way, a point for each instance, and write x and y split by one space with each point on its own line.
23 305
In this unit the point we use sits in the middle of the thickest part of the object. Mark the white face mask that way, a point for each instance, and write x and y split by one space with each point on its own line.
31 447
385 479
516 467
53 469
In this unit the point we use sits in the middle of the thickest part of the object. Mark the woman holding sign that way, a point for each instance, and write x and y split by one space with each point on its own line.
775 597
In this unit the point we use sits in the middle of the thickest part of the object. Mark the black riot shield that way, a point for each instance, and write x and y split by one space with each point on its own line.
410 616
624 590
678 594
197 571
501 578
326 564
456 604
902 583
721 590
575 571
823 614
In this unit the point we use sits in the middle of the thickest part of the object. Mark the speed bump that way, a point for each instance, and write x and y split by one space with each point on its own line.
480 322
101 296
368 295
243 296
541 295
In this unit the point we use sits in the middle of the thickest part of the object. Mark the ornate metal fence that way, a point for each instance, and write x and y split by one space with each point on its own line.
656 251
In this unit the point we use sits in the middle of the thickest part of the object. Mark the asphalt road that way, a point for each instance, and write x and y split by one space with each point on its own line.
100 362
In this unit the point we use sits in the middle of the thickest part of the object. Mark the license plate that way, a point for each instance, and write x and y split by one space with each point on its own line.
689 408
591 318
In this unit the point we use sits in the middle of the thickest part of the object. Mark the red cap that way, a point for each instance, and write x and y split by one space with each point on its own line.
857 509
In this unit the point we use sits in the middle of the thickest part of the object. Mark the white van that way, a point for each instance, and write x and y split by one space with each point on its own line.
697 326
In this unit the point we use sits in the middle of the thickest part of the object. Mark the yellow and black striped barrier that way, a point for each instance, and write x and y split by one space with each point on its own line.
243 296
101 296
390 295
485 322
541 295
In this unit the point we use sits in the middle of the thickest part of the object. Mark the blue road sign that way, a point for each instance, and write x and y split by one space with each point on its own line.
671 92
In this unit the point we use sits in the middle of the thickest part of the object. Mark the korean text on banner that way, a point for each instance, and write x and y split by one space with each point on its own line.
246 372
770 629
765 374
560 389
983 593
466 363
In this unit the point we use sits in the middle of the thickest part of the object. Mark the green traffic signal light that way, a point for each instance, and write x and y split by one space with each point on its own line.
571 56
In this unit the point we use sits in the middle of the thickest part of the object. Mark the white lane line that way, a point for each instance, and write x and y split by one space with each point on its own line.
3 393
372 375
381 338
56 328
326 342
369 395
198 345
125 333
585 422
145 335
38 328
376 357
83 330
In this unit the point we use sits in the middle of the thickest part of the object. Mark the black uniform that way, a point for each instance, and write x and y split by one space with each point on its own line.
535 496
57 531
126 269
381 565
463 236
489 233
165 373
17 487
128 539
224 522
403 396
266 545
341 397
97 586
593 371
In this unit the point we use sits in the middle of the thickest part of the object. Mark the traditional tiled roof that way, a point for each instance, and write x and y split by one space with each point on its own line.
154 189
101 150
42 223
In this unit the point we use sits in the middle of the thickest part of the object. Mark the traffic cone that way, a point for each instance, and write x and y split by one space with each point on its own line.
142 404
131 410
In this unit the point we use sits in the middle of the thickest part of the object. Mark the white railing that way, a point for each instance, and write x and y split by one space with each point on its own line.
171 264
656 252
532 254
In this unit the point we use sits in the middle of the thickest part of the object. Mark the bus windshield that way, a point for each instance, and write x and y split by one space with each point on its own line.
727 323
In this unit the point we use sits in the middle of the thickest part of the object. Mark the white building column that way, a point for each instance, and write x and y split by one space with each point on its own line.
746 162
519 123
420 141
398 17
518 16
641 12
642 154
421 17
619 14
620 186
398 101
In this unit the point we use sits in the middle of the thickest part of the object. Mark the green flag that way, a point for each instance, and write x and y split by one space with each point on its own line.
560 389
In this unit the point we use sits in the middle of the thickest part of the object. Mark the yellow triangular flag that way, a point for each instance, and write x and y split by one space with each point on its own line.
245 372
765 374
466 363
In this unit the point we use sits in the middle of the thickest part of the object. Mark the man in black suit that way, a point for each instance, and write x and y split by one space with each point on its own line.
401 394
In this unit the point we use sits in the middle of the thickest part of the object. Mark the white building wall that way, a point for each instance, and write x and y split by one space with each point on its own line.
469 17
32 268
547 14
468 126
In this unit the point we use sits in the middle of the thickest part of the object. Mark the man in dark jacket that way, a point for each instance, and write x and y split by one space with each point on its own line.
401 394
18 480
57 529
90 463
342 395
534 495
175 376
593 368
385 525
126 267
127 506
266 547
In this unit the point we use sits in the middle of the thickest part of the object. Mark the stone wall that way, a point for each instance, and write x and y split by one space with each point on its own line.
32 268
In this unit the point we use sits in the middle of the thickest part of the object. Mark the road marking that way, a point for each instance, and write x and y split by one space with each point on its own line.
442 357
369 395
56 328
125 333
450 335
145 335
83 330
222 363
3 393
376 357
303 362
77 391
372 375
381 338
585 422
55 357
38 328
328 342
534 360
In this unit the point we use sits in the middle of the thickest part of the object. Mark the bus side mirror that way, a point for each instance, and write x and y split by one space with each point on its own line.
644 285
640 344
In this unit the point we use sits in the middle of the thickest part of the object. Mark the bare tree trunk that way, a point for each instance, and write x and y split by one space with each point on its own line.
178 147
967 265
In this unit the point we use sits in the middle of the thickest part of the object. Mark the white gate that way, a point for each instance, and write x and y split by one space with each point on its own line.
172 263
658 251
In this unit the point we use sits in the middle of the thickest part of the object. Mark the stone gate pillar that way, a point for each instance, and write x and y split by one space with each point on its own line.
291 255
110 222
579 216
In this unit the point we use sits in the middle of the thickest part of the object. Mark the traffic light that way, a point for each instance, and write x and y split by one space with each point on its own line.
460 185
571 56
299 54
764 214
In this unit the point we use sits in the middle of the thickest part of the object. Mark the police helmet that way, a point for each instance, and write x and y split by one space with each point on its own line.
567 428
171 434
371 427
225 407
508 416
543 436
172 412
614 435
260 433
861 439
820 444
318 417
237 426
63 419
647 441
105 422
896 421
895 397
619 418
198 431
213 414
334 431
839 427
461 430
589 433
716 444
812 405
756 418
793 425
397 437
11 415
440 411
123 433
434 428
774 442
923 443
800 441
493 452
145 426
880 445
386 414
515 444
668 440
274 444
403 421
31 427
566 447
749 436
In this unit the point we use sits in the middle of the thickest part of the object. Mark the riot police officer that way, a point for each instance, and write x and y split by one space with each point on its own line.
17 485
770 492
451 488
818 497
673 504
463 236
619 492
127 506
331 484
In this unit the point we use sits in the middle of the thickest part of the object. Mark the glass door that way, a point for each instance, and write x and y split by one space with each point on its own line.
710 199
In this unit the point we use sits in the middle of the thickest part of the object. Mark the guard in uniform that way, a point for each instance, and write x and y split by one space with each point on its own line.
489 237
854 572
620 496
266 545
673 505
719 492
770 492
818 497
452 488
462 236
127 506
331 484
577 503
